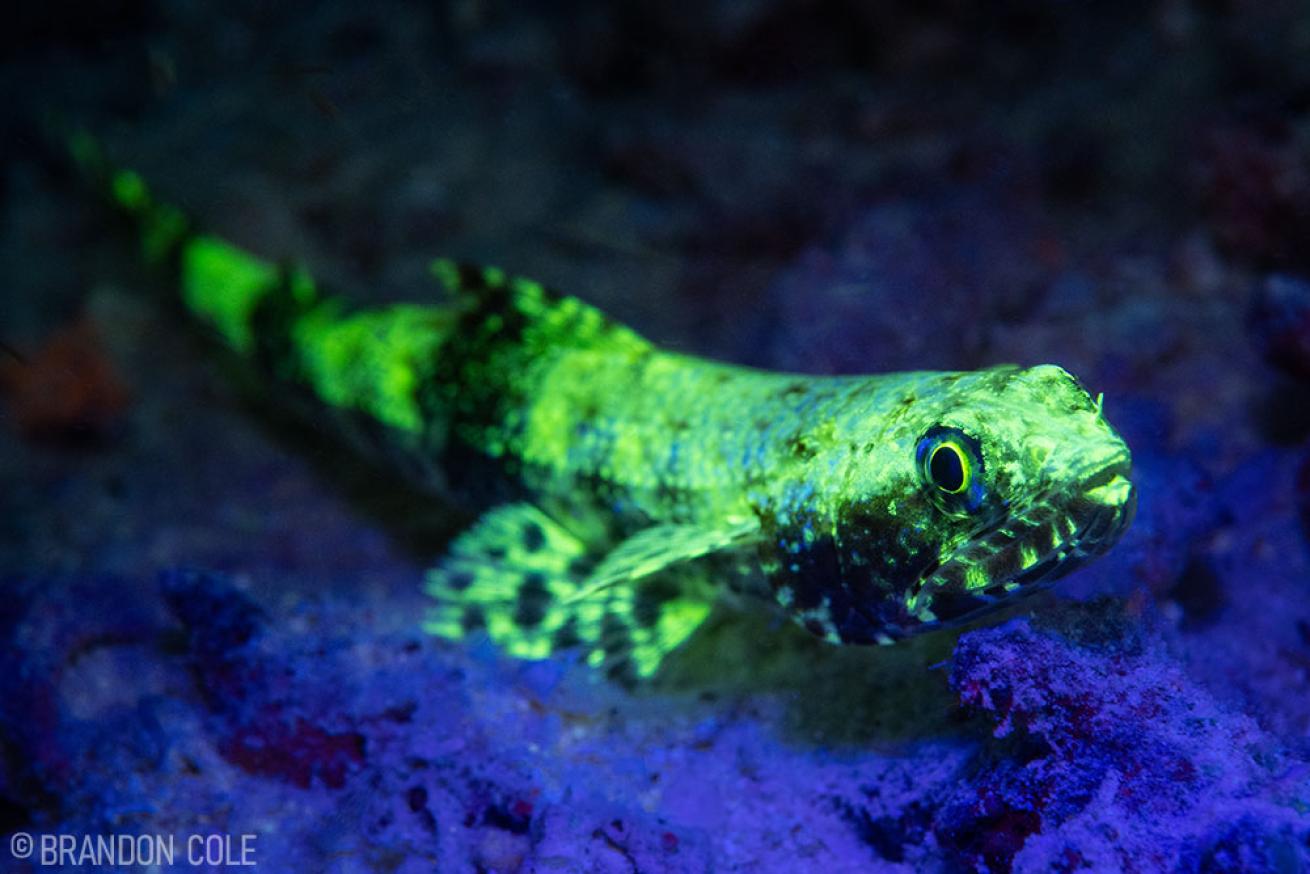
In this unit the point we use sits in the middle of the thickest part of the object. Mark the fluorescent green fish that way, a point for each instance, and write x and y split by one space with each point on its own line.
629 488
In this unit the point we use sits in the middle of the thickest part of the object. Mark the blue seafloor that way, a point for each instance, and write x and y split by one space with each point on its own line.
210 613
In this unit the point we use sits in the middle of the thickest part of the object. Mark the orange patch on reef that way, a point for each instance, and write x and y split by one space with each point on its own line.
68 389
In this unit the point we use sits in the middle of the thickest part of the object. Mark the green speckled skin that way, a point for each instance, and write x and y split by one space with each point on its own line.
633 482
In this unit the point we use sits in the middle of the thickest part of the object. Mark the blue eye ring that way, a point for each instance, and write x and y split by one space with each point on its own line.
951 469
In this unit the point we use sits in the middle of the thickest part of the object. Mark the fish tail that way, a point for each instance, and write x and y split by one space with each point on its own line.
162 230
464 368
221 285
274 315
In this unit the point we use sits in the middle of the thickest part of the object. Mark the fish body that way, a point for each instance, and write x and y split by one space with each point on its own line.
628 488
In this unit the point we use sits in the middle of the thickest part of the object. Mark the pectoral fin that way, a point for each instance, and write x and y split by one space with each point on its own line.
661 547
537 589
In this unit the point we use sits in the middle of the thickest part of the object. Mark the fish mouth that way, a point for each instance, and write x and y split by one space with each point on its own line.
1030 546
1107 504
1093 538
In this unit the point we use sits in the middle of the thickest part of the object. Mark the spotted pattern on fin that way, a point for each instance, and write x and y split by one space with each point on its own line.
518 575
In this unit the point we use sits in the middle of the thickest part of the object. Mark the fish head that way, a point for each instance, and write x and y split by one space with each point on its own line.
984 487
1024 482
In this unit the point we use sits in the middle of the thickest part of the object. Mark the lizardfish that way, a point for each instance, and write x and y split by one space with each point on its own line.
626 488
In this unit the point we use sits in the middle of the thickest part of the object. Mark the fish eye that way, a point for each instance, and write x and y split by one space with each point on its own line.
949 468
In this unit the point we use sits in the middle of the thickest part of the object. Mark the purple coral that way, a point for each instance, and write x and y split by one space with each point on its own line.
266 727
1111 757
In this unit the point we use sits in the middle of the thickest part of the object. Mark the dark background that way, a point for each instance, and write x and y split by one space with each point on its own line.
211 613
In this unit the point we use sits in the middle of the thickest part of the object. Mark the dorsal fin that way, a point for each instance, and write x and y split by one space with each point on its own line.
496 303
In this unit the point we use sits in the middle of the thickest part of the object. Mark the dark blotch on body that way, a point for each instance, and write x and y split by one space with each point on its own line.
566 636
459 581
650 600
533 537
472 619
613 635
852 625
580 567
533 600
801 449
